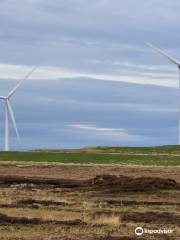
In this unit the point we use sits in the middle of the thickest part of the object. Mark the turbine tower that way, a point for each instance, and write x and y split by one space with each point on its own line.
9 111
177 63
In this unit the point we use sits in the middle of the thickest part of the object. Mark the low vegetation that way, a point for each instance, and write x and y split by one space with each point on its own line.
82 202
43 199
162 156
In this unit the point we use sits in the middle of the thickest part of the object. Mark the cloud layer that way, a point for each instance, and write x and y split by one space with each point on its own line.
80 112
98 83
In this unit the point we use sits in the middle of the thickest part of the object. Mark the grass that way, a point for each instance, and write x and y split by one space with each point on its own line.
169 149
110 220
93 157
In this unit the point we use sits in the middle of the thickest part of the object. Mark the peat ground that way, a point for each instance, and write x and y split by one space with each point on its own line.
78 202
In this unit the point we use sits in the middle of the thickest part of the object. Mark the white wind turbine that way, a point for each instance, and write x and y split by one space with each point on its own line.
177 63
9 112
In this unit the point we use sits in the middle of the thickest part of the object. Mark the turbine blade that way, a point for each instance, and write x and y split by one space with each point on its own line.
1 97
20 82
11 114
171 59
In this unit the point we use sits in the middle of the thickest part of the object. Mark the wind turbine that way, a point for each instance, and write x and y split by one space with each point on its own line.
9 111
177 63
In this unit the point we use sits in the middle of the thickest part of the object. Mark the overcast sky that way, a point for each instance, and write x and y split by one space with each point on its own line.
97 82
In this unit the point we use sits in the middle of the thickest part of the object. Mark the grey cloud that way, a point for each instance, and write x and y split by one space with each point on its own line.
45 109
90 36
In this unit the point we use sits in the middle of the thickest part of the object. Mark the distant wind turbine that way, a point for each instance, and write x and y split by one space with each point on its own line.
9 111
177 63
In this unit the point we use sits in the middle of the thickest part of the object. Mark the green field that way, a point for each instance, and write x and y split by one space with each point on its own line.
160 156
169 149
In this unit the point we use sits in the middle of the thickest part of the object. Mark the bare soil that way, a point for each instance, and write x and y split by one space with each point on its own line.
78 202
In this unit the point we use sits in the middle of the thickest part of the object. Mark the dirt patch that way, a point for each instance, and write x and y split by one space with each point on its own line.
122 238
5 219
108 183
85 171
113 183
134 238
136 203
26 181
42 202
152 217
